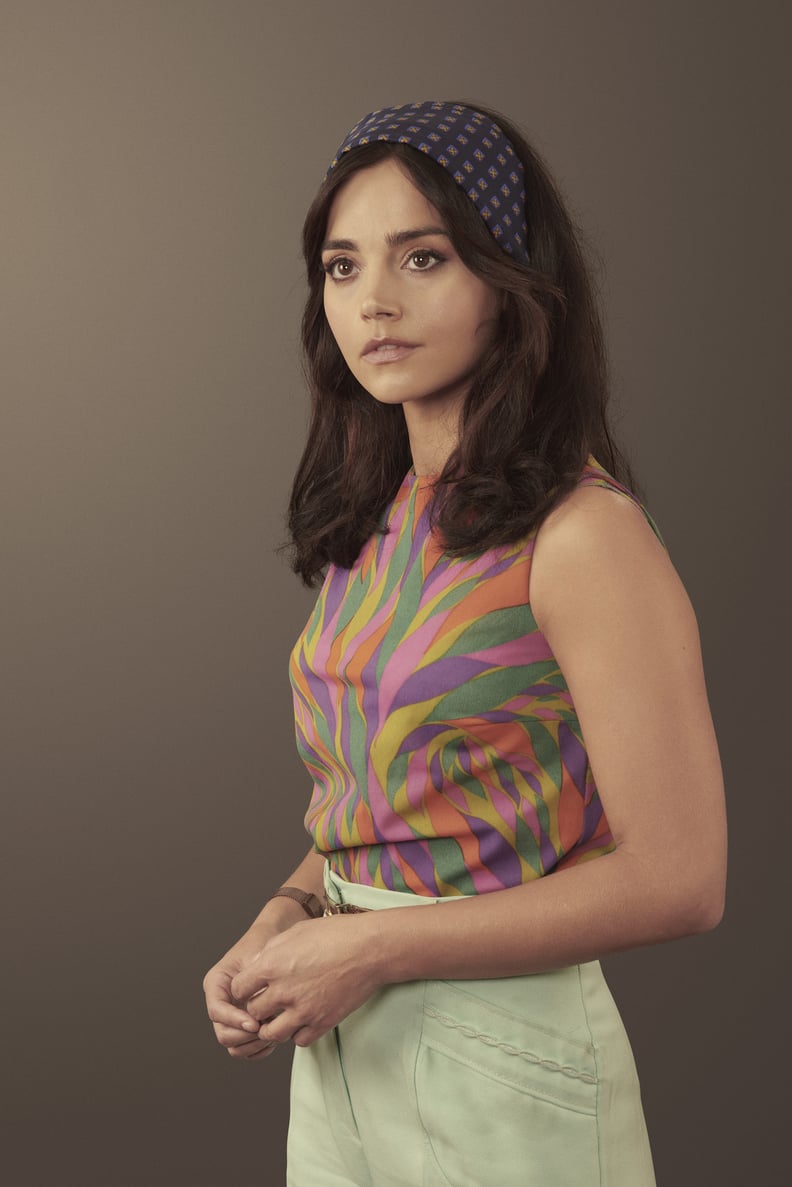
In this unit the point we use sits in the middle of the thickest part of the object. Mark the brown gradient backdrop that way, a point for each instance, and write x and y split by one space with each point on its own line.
157 158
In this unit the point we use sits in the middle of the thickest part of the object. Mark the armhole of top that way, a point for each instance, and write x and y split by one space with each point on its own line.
595 477
608 483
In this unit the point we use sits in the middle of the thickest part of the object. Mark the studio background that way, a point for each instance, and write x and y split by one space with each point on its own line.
157 159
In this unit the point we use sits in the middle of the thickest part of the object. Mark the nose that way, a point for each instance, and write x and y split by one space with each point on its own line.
378 300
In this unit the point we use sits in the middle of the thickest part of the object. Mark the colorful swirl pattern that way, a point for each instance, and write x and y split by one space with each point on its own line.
444 746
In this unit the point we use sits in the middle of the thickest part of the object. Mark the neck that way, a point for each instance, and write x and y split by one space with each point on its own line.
433 435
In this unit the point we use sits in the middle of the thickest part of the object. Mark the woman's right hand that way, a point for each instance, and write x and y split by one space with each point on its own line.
234 1028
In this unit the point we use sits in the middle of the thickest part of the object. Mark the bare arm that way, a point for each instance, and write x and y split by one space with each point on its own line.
620 624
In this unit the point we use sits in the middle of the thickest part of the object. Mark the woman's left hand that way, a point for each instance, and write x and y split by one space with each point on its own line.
307 979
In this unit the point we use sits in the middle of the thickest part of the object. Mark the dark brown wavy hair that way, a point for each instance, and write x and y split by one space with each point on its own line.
536 408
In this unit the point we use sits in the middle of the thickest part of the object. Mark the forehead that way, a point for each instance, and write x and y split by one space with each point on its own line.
377 200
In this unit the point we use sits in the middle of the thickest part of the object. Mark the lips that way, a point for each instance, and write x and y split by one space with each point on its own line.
387 350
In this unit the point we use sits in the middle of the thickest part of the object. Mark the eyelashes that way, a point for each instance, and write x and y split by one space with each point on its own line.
435 258
332 268
420 259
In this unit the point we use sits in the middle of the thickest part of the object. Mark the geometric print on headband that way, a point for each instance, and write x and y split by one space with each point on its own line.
469 146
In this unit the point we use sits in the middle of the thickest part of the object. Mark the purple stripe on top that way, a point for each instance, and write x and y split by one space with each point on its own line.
385 767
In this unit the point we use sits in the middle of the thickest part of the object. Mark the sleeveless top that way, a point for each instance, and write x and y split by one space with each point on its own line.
446 753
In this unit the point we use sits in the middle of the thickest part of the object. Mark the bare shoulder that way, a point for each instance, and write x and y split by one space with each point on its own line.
593 518
595 550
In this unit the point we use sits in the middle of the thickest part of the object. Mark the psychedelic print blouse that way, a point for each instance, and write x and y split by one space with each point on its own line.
438 728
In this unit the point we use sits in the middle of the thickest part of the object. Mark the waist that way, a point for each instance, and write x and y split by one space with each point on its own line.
340 894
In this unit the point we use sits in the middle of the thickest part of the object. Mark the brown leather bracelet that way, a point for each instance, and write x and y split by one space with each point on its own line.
309 902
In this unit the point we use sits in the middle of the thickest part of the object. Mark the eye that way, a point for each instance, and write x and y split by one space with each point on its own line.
422 260
339 268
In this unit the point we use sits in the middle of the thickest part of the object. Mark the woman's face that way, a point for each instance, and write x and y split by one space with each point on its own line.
409 318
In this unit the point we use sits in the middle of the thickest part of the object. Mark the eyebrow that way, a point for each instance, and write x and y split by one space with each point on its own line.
393 239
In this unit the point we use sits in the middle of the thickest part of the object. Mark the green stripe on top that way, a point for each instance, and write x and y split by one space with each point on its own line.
439 730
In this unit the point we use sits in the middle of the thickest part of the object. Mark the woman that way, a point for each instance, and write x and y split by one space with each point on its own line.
501 681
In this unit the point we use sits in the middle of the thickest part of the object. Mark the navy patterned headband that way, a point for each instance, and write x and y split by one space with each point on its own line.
471 148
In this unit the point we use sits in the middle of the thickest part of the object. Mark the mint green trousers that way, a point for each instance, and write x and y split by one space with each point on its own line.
509 1082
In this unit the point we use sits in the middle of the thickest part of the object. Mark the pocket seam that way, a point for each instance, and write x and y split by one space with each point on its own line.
490 1041
585 1048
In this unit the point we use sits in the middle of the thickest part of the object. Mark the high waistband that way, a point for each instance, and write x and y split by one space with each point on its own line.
341 893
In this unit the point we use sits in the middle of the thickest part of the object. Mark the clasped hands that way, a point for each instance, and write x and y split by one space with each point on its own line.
296 984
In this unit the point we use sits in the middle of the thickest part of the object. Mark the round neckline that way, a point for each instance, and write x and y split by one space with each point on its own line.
421 479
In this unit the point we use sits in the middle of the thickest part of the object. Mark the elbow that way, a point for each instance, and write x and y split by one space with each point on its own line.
689 905
707 914
702 906
684 901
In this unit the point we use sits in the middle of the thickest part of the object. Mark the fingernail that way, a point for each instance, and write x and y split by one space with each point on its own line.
250 1025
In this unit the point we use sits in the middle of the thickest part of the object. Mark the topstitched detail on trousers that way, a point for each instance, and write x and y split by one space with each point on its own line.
491 1041
597 1113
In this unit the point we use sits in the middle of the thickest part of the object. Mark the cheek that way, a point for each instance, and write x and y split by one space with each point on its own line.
334 323
488 314
473 313
332 299
475 324
329 312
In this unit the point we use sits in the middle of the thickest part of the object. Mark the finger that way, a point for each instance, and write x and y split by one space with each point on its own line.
266 1050
250 982
225 1013
221 1006
253 1049
233 1036
307 1035
264 1007
281 1028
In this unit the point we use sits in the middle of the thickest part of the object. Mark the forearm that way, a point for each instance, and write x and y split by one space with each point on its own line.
283 912
568 917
